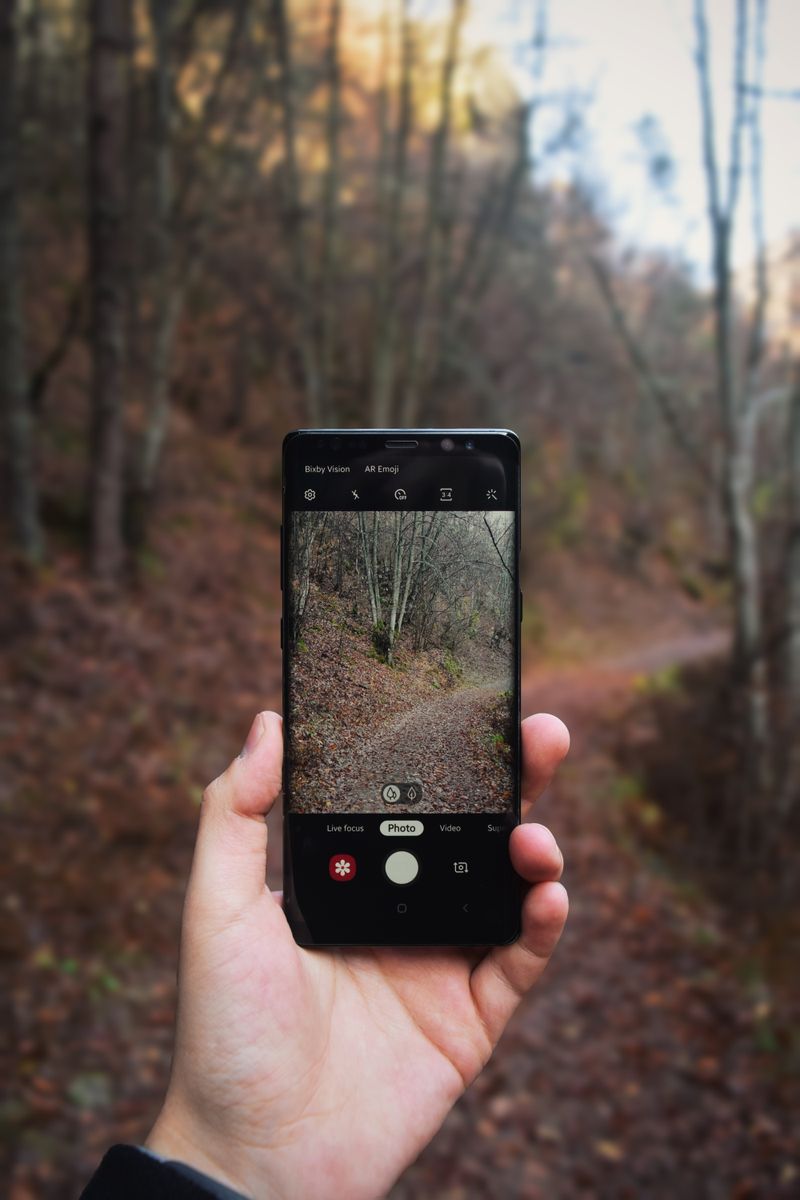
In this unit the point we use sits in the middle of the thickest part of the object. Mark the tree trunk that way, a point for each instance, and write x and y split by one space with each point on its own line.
33 91
391 193
463 289
397 583
329 266
109 53
137 237
168 296
412 567
791 787
738 461
295 218
432 234
370 552
169 305
174 274
743 542
16 413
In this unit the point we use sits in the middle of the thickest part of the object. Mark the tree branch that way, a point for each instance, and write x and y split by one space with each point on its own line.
773 93
655 387
499 551
41 375
739 119
707 111
756 341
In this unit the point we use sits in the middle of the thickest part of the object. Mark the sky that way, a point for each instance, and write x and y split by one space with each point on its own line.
634 58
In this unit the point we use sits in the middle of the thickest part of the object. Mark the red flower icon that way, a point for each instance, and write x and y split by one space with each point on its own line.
342 868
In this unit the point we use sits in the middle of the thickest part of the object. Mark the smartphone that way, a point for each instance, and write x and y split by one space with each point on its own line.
401 660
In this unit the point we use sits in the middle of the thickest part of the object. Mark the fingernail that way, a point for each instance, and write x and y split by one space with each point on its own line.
254 736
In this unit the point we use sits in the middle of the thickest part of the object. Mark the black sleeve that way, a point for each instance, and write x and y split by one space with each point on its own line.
132 1173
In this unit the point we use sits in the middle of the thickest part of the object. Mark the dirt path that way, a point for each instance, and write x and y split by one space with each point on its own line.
638 1067
455 729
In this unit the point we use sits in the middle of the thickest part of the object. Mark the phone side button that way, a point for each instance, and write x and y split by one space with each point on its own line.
281 633
520 606
281 557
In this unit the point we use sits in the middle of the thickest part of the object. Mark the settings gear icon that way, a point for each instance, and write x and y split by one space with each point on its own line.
310 494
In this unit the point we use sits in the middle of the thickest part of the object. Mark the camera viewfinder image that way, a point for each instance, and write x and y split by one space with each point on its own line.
401 663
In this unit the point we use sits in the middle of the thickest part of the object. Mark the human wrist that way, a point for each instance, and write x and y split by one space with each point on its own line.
174 1138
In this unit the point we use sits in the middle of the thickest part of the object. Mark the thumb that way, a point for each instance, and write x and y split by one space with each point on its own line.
230 855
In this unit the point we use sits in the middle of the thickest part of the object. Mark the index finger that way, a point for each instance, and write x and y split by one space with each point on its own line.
545 742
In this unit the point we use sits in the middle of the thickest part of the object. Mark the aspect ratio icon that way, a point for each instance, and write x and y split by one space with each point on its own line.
400 494
445 495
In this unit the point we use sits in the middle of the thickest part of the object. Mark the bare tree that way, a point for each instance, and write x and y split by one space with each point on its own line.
406 563
739 366
14 402
295 217
791 787
396 553
466 278
735 402
392 171
432 236
329 265
369 554
308 527
109 52
167 297
659 392
190 208
482 255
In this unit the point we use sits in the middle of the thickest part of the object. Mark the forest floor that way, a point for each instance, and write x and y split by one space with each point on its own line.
653 1060
454 730
429 719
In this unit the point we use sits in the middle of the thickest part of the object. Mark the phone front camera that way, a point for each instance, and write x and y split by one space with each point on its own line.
469 445
448 444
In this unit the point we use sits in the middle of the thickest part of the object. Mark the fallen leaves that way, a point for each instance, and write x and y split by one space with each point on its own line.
359 723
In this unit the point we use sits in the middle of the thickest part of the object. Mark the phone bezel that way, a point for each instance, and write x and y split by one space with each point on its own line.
485 439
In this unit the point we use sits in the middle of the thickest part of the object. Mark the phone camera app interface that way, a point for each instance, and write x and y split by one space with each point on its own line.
402 662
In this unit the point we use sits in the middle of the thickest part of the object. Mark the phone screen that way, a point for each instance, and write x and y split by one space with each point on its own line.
401 686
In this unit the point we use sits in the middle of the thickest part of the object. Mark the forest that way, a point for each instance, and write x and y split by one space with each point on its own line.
401 633
224 219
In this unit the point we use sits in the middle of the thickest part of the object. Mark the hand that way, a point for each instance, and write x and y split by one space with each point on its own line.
311 1073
